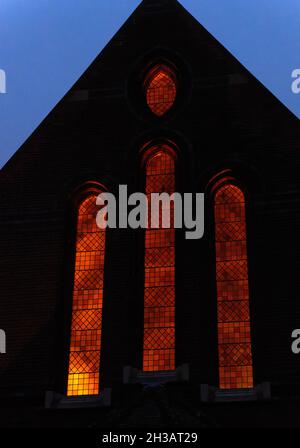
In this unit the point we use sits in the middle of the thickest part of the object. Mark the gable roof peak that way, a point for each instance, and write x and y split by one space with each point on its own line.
158 4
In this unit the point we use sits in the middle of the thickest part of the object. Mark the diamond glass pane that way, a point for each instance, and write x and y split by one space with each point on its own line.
159 288
85 346
234 338
161 89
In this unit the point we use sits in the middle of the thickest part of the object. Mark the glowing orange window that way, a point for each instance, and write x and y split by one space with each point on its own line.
161 89
234 339
159 288
85 347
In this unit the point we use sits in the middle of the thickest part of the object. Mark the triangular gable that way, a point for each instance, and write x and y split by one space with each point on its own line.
48 44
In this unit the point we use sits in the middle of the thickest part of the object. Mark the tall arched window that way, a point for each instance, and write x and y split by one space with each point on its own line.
159 288
85 346
234 339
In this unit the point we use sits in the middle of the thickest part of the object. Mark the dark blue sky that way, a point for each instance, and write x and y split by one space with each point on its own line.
45 45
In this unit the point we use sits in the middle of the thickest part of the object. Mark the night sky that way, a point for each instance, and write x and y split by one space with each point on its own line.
45 45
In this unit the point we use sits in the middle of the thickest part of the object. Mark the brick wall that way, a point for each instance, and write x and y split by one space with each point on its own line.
224 118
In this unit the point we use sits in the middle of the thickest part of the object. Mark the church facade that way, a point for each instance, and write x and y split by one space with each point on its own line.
102 322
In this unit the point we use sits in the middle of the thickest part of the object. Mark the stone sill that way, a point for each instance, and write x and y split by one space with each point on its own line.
212 394
54 400
135 376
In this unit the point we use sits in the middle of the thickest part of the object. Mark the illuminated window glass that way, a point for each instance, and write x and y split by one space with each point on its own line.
234 339
160 89
85 347
159 290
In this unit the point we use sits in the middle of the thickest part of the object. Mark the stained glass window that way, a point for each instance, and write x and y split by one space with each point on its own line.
159 288
85 346
234 339
160 89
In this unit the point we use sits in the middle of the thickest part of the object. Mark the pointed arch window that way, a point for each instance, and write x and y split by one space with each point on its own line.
85 343
234 338
161 89
159 287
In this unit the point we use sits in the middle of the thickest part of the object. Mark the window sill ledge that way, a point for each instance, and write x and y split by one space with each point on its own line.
212 394
135 376
54 400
